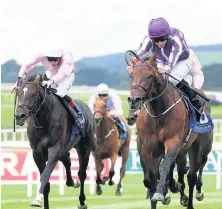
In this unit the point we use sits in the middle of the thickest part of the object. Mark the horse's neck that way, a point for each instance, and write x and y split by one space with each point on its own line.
45 113
105 126
164 101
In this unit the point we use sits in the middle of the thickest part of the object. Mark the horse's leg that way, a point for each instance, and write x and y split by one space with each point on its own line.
172 183
195 163
112 169
125 153
65 159
150 181
53 158
83 154
99 169
171 149
41 164
181 166
199 193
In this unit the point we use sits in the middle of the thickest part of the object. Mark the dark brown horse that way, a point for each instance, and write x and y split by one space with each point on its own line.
49 130
109 145
163 132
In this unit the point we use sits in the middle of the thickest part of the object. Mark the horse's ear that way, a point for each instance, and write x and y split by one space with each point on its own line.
38 79
152 60
133 59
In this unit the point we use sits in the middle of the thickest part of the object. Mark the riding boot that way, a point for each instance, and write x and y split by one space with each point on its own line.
196 100
76 114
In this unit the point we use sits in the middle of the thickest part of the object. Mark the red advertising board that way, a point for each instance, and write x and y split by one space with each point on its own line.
16 164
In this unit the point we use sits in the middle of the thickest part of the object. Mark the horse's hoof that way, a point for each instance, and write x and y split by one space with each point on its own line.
82 207
77 184
111 183
36 203
105 178
166 200
70 183
199 196
118 193
184 201
99 191
176 188
157 197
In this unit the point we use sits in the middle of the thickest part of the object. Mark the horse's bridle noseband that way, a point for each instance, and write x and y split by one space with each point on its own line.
37 97
137 86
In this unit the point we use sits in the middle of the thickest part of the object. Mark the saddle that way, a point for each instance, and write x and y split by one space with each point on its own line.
121 127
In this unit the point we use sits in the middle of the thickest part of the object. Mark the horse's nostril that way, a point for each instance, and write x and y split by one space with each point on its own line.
129 100
20 116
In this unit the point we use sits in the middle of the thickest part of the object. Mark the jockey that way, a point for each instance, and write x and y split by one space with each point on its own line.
114 103
173 56
60 75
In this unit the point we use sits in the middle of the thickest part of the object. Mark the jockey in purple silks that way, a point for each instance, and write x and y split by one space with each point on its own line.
174 57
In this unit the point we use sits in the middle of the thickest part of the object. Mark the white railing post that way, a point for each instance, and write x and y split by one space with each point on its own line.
219 171
61 179
91 175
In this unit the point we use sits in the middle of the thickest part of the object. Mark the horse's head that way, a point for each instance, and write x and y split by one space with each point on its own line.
146 83
100 109
29 94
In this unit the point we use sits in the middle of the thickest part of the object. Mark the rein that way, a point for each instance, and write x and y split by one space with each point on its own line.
102 118
30 109
145 100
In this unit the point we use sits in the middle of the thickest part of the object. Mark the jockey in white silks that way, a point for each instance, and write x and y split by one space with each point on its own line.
174 57
113 105
59 66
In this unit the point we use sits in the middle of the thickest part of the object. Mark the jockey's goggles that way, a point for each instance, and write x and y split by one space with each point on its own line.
158 39
51 59
103 95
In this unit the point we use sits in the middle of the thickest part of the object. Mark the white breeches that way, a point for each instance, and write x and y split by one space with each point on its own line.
196 72
181 70
64 85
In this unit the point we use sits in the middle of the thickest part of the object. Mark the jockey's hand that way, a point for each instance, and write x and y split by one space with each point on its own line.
17 85
110 114
47 83
163 70
14 88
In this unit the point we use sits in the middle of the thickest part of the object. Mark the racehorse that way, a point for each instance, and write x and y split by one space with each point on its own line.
109 145
182 169
163 131
52 135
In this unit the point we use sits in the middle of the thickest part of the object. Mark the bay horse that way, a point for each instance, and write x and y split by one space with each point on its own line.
109 145
163 132
50 136
181 162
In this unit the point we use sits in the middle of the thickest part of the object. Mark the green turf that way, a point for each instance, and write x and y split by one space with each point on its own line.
14 197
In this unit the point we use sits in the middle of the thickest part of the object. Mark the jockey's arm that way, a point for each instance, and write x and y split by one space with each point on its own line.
117 106
27 67
177 49
65 69
91 103
145 49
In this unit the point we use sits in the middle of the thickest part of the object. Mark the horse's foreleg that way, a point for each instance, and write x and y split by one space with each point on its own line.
181 166
83 163
65 159
99 169
41 164
172 183
125 154
195 163
171 150
199 193
112 169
